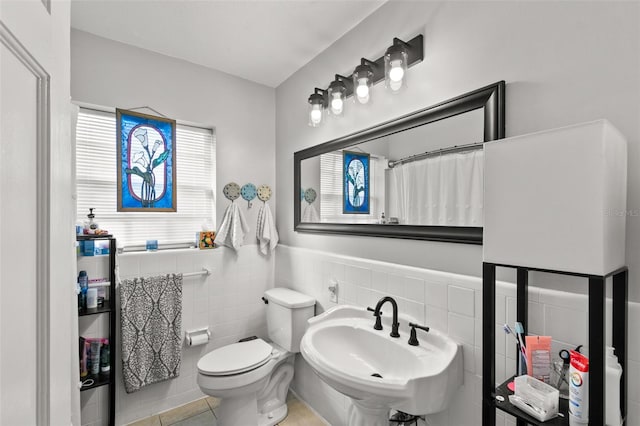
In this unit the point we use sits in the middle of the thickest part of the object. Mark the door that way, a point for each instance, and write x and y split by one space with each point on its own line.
30 380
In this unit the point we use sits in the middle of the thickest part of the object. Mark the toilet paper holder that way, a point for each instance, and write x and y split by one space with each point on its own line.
196 337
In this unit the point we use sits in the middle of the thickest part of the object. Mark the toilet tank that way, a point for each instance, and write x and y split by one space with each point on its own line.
287 315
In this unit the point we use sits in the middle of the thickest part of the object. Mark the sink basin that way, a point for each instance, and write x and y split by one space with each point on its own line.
377 371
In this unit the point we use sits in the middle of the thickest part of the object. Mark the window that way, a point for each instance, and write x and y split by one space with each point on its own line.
96 183
331 181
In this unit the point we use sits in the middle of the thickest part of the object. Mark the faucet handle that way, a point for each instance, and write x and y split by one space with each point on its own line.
378 324
370 309
413 338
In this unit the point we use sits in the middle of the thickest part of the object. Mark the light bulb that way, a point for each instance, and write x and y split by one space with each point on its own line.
316 114
395 85
396 73
337 104
362 91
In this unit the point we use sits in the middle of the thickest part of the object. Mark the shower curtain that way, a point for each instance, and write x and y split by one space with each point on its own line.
444 190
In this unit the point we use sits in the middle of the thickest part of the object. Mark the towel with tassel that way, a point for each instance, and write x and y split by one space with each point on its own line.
151 323
233 228
310 214
266 231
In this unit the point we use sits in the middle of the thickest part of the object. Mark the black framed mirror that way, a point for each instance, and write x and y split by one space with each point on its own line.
484 108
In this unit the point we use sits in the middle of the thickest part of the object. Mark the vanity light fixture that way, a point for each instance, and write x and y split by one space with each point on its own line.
392 67
317 104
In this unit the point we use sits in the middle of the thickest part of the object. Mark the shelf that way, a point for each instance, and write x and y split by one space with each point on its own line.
109 307
508 408
99 310
98 381
596 339
93 237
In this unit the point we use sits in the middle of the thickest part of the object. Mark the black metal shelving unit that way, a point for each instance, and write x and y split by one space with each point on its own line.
109 308
597 366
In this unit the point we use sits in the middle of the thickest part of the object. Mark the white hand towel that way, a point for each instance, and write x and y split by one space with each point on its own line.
310 214
233 228
266 232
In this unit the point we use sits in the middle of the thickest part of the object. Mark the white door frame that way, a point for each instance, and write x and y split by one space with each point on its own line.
43 276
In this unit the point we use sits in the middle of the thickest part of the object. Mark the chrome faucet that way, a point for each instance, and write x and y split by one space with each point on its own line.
395 324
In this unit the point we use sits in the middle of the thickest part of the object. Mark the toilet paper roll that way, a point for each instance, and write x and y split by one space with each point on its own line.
197 339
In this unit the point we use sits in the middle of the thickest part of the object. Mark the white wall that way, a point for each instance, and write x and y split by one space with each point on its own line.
447 302
113 74
564 62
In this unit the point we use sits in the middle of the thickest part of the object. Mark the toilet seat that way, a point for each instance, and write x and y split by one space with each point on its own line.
236 358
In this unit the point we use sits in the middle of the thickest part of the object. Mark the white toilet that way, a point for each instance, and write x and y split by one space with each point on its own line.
252 378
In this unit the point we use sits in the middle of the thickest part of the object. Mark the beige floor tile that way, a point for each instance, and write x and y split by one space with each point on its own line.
183 412
300 415
203 419
149 421
213 402
191 414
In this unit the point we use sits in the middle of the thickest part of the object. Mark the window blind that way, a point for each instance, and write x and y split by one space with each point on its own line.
96 177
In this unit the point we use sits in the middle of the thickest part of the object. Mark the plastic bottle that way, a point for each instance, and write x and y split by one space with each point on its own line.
613 374
578 388
105 366
95 357
83 281
383 220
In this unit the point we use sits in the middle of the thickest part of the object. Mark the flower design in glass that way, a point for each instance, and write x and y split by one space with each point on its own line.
356 183
146 173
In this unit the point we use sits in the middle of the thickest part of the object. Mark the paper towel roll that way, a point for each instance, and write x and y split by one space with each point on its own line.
196 339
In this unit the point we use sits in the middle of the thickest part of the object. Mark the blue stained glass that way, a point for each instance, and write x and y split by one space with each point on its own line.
147 169
355 194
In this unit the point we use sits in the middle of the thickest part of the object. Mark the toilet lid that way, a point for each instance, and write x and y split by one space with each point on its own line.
235 358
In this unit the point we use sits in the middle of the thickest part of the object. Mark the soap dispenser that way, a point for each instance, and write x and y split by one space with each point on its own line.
90 226
614 372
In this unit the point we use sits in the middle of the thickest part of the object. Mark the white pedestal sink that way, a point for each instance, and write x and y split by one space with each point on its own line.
379 372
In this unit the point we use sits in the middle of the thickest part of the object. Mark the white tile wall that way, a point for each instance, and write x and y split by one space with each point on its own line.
228 301
447 302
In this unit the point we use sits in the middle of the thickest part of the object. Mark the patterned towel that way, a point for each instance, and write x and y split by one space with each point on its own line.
151 319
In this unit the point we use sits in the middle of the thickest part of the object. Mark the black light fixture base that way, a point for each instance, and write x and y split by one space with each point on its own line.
415 55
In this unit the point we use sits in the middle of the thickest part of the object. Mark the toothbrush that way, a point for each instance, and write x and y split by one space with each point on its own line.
523 356
523 360
520 331
509 331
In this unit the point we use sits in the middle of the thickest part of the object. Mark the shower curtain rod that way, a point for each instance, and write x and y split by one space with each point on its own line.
448 150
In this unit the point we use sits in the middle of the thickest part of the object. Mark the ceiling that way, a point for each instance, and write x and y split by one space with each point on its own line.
259 40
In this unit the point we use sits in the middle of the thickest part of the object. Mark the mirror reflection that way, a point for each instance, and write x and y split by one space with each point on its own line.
430 175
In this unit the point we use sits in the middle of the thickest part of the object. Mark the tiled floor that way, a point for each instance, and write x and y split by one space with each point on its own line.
202 412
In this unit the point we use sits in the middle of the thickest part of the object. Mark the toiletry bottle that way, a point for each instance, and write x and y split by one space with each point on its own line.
612 392
105 366
83 280
83 358
578 388
383 220
95 357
